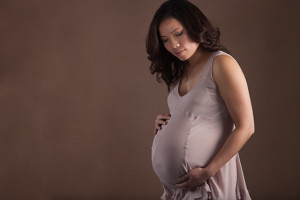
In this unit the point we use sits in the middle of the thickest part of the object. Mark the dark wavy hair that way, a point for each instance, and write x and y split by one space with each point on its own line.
199 29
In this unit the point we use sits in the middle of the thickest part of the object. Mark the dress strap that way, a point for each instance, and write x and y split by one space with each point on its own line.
209 76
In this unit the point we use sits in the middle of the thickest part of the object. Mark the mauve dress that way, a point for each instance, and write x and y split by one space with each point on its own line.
199 125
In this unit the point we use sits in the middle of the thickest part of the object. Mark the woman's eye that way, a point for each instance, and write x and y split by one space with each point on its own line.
164 41
179 33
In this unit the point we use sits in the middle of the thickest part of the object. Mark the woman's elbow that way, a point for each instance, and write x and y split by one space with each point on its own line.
251 129
247 128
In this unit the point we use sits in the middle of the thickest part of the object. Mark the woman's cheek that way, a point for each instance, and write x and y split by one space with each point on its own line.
167 48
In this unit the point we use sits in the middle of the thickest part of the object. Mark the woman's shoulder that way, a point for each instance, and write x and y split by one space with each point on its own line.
223 59
223 53
224 65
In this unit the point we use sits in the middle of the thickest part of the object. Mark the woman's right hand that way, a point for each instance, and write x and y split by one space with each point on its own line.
161 119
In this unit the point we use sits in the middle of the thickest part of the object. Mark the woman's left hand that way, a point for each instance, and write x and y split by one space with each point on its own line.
193 178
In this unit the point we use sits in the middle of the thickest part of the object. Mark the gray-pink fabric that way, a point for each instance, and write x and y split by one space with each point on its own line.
199 125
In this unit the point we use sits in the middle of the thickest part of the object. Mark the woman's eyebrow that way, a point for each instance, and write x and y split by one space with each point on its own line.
171 32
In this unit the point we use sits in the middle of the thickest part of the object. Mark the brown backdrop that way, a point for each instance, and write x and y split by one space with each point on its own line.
78 103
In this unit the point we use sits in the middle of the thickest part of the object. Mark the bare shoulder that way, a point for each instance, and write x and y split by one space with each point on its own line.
226 68
233 88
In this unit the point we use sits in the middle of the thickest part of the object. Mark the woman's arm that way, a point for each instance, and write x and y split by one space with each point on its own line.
234 91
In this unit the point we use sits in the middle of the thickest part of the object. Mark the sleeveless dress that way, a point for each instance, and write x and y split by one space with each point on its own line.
197 129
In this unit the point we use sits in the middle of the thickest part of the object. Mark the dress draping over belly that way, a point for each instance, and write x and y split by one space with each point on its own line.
197 129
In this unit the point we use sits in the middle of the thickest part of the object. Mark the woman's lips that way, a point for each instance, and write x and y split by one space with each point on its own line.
178 53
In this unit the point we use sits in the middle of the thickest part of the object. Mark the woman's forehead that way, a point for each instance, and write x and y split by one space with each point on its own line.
168 26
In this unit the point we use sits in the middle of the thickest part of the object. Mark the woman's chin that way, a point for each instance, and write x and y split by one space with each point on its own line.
182 58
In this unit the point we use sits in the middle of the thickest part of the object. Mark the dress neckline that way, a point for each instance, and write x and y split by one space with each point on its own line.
201 74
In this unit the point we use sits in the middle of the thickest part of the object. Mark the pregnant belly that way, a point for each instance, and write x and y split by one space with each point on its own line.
185 143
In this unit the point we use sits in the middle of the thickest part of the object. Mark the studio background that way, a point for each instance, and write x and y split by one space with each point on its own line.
78 102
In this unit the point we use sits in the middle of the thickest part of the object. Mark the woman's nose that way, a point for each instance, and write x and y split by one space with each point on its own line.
174 44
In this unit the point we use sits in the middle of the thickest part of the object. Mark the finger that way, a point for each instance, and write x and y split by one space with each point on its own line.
157 126
167 114
158 123
184 177
163 116
186 186
182 185
160 116
162 122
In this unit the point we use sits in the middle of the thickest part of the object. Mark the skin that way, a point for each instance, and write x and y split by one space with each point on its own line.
233 89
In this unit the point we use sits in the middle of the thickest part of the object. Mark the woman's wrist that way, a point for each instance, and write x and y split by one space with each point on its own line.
211 169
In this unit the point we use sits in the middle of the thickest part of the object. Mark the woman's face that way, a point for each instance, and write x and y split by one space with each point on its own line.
176 39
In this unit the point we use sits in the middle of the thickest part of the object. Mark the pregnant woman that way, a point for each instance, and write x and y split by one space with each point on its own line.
195 147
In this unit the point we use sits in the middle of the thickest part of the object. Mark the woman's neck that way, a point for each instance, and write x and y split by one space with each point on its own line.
197 58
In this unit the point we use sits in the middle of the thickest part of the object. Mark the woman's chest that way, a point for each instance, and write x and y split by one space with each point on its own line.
204 100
